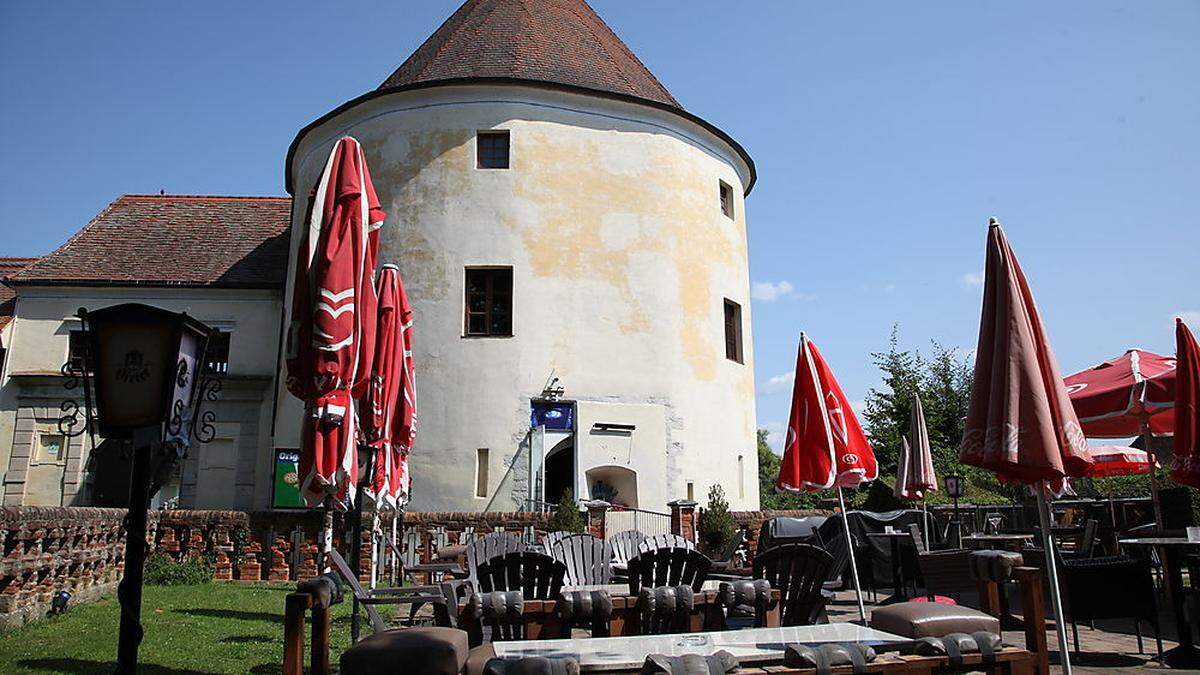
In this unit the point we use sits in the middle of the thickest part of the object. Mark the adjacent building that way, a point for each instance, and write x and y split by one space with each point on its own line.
573 242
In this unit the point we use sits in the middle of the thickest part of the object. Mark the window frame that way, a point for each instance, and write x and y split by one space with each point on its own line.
483 461
479 148
725 199
221 367
489 295
738 345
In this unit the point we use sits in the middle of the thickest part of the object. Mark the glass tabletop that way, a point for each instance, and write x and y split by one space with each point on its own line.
753 645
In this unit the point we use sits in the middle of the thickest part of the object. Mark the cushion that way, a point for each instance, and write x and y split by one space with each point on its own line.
930 619
956 644
478 658
325 590
994 565
432 651
827 656
690 664
941 599
585 605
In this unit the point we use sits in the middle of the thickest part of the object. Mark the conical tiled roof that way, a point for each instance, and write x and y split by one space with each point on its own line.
560 41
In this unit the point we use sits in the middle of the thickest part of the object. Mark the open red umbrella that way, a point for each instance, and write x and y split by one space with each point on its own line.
1117 460
1020 423
1121 397
825 445
1185 468
325 347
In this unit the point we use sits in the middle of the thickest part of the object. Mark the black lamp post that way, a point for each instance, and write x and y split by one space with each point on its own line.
145 365
956 487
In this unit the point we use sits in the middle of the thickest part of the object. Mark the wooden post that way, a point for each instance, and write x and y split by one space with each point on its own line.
1030 581
989 598
295 605
320 640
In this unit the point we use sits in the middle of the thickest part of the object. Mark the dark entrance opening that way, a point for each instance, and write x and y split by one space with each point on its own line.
560 470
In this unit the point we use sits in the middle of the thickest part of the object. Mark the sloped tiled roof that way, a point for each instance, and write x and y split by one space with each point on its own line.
8 297
561 41
174 240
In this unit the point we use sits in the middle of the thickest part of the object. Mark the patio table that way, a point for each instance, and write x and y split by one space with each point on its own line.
1172 550
541 616
1008 541
759 650
895 538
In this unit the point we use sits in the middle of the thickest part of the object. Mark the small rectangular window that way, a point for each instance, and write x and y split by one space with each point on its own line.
489 301
76 348
481 473
50 447
491 150
216 358
691 491
733 331
741 477
726 199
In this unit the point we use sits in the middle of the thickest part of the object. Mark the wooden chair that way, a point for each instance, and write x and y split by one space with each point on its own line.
551 539
406 595
798 572
587 559
536 575
668 567
625 545
485 547
947 573
665 541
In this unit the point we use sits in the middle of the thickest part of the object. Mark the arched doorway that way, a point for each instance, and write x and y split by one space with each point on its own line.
560 470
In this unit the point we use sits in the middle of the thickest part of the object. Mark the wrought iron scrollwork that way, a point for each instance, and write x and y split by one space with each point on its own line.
76 419
203 428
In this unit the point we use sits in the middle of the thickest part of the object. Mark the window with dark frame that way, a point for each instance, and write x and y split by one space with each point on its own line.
491 150
726 199
733 331
76 349
216 358
489 302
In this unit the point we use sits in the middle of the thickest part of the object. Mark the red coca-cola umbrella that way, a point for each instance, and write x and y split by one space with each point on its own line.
1117 460
325 349
389 427
1020 423
1185 467
1123 396
825 445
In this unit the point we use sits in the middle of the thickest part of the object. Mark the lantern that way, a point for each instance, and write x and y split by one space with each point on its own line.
956 487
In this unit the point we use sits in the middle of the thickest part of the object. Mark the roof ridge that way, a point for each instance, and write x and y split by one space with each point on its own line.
135 195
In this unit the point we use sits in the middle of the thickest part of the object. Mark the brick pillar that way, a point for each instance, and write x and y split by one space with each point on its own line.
683 518
595 517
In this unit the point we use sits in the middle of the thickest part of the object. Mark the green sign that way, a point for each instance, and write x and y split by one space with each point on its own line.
286 494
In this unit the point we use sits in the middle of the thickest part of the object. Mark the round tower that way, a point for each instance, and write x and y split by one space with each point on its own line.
573 243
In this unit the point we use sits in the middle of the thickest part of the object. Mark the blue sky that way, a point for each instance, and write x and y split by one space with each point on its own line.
885 135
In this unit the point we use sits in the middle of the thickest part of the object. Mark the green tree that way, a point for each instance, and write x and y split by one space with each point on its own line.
768 472
716 525
566 514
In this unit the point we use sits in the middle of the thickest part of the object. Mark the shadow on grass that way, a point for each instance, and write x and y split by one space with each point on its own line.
83 666
266 669
247 639
231 614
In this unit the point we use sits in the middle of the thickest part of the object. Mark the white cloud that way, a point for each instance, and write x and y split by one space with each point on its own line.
1190 316
769 291
776 433
972 280
779 383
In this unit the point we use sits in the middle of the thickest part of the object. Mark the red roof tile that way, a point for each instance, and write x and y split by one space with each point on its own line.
562 41
174 240
8 297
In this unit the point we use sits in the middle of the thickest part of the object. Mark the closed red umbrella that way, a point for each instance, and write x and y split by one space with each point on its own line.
390 401
1185 468
1119 397
825 445
1020 423
325 348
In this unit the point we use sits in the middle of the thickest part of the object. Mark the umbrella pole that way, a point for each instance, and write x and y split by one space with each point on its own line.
862 611
1147 440
1052 573
925 518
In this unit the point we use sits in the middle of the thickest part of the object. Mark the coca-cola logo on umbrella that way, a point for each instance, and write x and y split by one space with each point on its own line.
837 418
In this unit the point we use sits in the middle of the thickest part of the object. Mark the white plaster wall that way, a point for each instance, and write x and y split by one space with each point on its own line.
610 218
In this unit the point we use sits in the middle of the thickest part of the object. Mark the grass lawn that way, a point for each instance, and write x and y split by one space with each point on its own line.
212 628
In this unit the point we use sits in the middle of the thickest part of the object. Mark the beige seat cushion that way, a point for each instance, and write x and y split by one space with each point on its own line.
436 651
931 619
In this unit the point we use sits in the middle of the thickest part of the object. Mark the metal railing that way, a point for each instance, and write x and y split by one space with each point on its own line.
618 519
